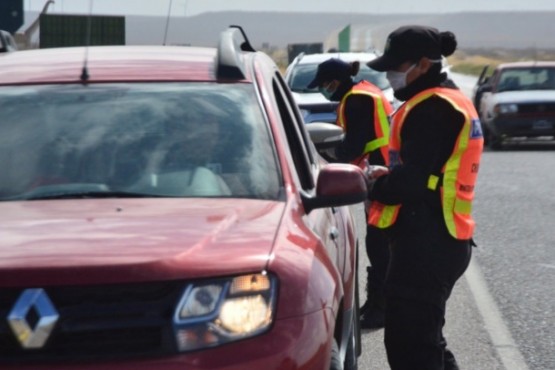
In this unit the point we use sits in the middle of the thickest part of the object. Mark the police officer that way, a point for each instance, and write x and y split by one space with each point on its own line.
435 149
363 113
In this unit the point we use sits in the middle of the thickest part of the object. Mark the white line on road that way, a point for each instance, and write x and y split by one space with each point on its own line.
546 265
499 333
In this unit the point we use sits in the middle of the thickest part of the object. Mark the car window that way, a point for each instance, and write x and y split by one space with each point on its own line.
302 74
170 139
296 135
297 117
373 76
536 78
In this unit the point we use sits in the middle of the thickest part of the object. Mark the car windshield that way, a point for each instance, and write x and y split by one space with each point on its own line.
135 140
302 74
535 78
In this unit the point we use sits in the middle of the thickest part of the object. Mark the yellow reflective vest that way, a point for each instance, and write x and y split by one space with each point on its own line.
382 111
457 178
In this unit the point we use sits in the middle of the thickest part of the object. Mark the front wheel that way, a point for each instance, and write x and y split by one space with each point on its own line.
485 132
494 142
335 363
351 357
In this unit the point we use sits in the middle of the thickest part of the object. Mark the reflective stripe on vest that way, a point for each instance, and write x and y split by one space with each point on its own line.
382 110
381 215
458 175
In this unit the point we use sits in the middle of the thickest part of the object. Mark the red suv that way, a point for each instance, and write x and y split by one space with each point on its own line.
165 208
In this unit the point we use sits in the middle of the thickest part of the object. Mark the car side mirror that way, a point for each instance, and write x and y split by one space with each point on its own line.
324 135
338 184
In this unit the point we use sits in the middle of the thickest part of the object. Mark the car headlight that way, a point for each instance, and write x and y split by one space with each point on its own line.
211 313
506 108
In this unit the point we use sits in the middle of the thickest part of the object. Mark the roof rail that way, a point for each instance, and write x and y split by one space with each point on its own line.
7 42
229 62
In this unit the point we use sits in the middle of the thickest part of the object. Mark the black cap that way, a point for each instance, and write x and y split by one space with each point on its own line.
331 69
408 43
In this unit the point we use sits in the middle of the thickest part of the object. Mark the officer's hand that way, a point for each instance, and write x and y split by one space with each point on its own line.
373 172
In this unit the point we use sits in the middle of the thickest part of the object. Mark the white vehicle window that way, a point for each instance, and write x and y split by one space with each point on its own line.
302 74
536 78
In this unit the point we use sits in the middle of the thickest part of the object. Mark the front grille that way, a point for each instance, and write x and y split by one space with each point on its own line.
537 108
99 322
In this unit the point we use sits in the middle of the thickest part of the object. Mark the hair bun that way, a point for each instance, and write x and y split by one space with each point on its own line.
448 43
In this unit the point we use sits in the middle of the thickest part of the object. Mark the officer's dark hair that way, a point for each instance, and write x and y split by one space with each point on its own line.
448 43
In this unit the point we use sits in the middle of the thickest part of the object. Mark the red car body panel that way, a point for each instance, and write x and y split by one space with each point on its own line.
122 240
48 243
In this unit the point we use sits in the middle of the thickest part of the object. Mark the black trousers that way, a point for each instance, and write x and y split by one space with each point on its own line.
425 263
377 249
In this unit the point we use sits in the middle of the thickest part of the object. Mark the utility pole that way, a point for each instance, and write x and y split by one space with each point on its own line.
168 21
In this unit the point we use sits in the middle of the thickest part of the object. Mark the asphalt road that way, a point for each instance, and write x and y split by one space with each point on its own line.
501 315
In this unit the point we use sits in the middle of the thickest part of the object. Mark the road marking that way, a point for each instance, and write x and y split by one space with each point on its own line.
500 336
546 265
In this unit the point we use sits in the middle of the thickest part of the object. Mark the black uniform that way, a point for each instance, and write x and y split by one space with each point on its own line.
425 260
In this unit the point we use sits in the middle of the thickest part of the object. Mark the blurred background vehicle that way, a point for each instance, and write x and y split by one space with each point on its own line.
314 106
516 101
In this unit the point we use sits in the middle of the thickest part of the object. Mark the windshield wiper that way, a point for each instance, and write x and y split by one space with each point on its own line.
89 194
45 195
77 191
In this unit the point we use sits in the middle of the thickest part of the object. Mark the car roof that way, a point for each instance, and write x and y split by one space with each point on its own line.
527 64
130 63
7 42
346 56
106 63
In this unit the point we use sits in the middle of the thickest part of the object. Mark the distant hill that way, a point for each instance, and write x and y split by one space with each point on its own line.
473 30
519 30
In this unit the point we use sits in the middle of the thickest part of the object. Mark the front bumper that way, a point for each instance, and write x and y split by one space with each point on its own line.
300 343
518 126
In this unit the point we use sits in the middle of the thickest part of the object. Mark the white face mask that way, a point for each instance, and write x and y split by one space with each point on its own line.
328 90
327 93
398 80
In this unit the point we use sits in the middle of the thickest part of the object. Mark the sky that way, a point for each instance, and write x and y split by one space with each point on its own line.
195 7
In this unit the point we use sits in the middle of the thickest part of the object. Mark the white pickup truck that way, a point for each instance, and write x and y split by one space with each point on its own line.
516 100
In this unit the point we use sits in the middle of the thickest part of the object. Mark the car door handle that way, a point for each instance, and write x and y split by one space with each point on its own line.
334 233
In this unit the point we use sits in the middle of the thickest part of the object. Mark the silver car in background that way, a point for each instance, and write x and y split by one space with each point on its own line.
314 106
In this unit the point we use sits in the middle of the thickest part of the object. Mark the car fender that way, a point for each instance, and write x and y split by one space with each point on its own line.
309 279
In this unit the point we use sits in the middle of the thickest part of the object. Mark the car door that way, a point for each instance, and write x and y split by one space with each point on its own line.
322 221
487 100
481 86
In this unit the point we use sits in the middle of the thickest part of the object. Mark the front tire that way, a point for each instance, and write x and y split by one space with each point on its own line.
495 142
351 357
335 363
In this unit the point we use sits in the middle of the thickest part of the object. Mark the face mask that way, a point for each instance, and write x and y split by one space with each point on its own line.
398 80
328 93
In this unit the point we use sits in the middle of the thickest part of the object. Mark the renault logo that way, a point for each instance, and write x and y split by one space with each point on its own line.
33 305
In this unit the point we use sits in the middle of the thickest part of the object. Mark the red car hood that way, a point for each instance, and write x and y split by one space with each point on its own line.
125 240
